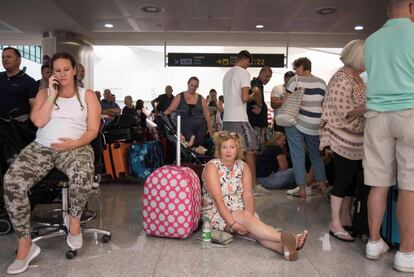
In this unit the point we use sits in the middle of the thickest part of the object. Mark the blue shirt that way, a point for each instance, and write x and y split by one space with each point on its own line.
389 60
108 105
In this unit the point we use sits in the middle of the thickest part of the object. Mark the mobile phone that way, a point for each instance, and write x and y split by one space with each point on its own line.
56 86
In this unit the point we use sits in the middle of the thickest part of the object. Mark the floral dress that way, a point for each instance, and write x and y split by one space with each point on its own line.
231 190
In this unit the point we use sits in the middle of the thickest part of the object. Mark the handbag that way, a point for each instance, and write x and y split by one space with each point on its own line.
288 114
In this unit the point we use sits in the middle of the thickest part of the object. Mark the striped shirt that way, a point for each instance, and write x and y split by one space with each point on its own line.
311 108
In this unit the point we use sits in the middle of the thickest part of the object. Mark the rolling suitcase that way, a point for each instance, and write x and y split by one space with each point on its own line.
116 159
171 201
118 134
145 158
390 230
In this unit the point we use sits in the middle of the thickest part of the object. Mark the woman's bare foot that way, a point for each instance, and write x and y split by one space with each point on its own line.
322 186
301 239
74 226
340 233
301 193
23 249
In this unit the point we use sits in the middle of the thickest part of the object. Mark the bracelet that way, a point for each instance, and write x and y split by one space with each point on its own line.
51 99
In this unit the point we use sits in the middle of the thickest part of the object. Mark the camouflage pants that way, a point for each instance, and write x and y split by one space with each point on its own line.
31 165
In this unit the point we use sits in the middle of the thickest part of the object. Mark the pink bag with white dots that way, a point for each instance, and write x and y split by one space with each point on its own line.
171 202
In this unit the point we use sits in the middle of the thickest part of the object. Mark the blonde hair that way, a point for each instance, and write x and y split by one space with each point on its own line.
353 54
223 136
275 137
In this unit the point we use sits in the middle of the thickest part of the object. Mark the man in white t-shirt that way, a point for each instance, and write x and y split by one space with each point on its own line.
236 86
276 99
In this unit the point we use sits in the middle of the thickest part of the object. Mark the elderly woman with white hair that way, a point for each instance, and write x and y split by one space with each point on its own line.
342 130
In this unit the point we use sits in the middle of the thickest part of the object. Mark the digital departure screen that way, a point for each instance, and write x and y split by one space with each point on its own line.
222 59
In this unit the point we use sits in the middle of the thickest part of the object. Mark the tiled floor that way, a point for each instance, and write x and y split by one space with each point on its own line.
132 253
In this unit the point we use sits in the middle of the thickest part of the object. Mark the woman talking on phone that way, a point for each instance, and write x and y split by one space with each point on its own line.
67 118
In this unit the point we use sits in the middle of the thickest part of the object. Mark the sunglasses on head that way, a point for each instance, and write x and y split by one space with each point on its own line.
228 133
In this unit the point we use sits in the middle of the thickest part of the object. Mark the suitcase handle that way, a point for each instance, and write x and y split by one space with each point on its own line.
178 140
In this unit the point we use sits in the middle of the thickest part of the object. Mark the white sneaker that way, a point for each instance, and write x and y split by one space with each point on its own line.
75 242
375 249
404 262
296 191
19 266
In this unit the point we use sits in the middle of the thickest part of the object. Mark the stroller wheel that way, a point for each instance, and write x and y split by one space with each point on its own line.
5 226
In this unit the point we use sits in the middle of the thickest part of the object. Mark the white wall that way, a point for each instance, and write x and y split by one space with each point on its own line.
139 70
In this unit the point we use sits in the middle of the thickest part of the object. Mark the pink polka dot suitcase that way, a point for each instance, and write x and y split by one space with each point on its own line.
171 202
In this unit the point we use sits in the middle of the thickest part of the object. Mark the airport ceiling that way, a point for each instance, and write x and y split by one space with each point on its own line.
311 23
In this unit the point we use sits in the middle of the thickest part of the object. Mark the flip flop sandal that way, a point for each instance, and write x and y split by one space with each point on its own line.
338 235
348 228
288 240
304 241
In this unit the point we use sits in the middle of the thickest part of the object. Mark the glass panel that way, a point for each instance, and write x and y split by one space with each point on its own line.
26 50
38 52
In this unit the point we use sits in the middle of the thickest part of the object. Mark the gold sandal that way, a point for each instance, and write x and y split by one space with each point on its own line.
288 240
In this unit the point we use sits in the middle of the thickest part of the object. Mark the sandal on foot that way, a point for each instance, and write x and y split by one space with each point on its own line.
306 234
288 240
340 235
348 228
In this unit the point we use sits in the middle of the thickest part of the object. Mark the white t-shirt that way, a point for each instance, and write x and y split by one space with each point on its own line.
233 82
69 121
277 92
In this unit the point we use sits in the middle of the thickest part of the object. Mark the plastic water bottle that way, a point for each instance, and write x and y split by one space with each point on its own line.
206 237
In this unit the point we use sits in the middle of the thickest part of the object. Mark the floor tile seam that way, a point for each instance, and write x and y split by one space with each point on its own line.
314 267
158 258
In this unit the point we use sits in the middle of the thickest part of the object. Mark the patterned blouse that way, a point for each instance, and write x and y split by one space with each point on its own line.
342 133
231 191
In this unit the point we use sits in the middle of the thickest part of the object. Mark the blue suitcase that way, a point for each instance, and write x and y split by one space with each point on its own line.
390 230
145 158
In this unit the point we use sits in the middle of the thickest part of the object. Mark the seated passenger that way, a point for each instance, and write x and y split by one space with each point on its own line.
194 112
129 106
109 107
228 201
272 166
140 113
68 119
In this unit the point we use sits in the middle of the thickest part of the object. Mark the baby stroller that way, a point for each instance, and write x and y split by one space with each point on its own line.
188 157
14 136
5 224
170 130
